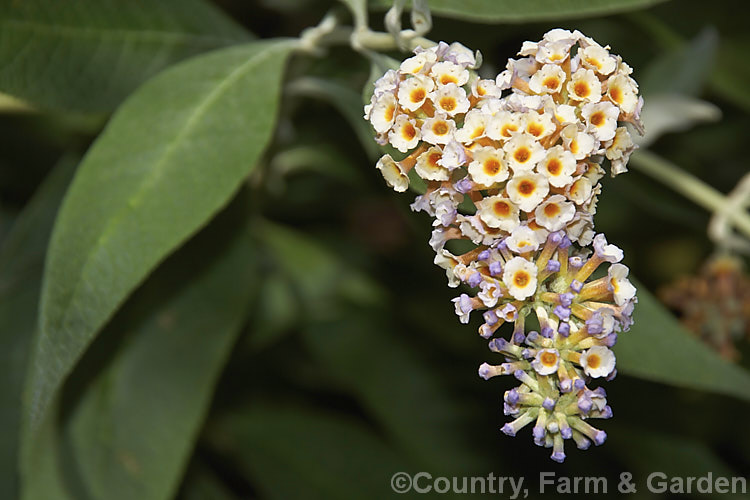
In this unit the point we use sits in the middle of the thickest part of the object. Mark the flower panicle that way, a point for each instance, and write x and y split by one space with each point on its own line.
525 150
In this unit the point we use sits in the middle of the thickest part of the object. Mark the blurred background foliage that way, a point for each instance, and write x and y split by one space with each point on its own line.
235 306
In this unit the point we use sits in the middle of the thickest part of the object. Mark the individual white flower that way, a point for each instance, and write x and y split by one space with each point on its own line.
447 261
548 80
404 135
386 83
619 151
528 49
622 289
393 174
558 166
413 92
519 275
488 167
577 142
450 99
581 229
565 114
546 361
523 152
601 119
580 191
490 293
454 156
584 86
446 72
503 125
623 91
527 190
597 361
428 168
538 125
438 130
461 55
554 213
498 212
419 63
475 125
522 239
383 113
607 251
554 51
597 58
482 89
562 35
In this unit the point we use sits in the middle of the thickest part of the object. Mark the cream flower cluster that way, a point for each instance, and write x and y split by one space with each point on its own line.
513 165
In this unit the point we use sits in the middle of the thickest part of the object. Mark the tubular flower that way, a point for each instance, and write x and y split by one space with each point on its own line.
526 151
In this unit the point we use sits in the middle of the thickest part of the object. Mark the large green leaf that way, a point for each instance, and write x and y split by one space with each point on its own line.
299 453
89 55
21 266
516 11
171 157
658 348
134 426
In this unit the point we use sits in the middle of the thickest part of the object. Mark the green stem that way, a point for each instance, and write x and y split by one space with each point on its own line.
688 185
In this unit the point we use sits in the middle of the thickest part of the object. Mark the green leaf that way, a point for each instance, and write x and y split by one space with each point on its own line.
171 157
134 426
658 348
329 456
88 55
517 11
21 266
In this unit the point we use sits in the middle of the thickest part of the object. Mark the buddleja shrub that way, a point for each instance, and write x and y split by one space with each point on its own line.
526 150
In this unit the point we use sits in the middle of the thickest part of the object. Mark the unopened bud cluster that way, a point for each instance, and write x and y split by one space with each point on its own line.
512 165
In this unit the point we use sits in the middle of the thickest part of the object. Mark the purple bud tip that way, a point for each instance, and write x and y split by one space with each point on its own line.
579 384
512 397
576 286
566 299
600 437
558 456
555 237
485 331
552 266
519 337
538 432
599 391
547 331
509 410
548 404
502 245
496 268
475 279
610 340
484 255
484 371
508 429
566 385
564 329
490 317
464 185
525 354
565 243
607 412
465 303
594 328
532 337
498 344
519 374
566 432
584 404
585 444
562 312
